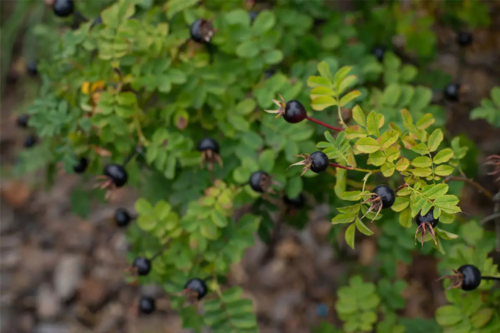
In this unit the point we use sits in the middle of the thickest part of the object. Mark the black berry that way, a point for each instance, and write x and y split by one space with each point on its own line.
32 69
147 305
253 15
259 181
197 285
81 166
294 112
427 218
117 174
297 202
319 162
464 38
63 8
22 120
386 193
471 277
122 217
208 144
452 92
97 21
201 31
142 265
378 52
30 141
269 73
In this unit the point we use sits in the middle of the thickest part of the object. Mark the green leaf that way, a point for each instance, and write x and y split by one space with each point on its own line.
273 57
447 203
349 97
350 234
400 204
294 187
263 22
481 318
322 102
405 218
321 91
372 124
422 162
359 116
363 228
331 41
377 158
443 156
407 118
324 71
343 218
146 222
391 95
443 170
266 160
426 121
351 210
340 75
448 315
246 106
445 234
422 172
421 149
346 83
218 218
435 140
143 207
388 139
434 191
367 145
388 169
318 81
126 98
402 164
248 49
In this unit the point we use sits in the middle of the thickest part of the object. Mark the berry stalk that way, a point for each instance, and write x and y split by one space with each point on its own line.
338 129
491 278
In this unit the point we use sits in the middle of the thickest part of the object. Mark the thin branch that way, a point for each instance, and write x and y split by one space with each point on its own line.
493 278
401 187
473 183
338 129
489 218
335 165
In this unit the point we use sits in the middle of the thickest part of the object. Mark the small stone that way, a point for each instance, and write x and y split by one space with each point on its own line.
47 302
67 276
15 193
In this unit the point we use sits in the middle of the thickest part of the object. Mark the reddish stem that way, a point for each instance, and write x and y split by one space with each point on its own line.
401 187
338 129
335 165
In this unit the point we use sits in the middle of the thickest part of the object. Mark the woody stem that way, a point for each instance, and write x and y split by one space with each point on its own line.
473 183
338 129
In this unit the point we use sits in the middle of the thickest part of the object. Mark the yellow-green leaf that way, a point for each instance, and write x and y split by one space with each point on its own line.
481 318
359 116
445 234
435 140
354 209
400 204
443 170
388 139
402 164
315 81
343 218
409 142
372 124
443 156
422 172
322 102
388 169
377 158
354 132
405 218
367 145
421 149
349 235
392 153
434 191
321 91
407 118
448 315
349 97
422 162
363 228
324 71
426 121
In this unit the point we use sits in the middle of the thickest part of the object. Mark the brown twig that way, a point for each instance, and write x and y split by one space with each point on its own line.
338 129
473 183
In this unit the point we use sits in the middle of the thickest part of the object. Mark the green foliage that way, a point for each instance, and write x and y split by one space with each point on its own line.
489 109
135 87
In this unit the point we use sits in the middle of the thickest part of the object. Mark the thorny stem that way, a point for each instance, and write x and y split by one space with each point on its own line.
338 129
473 183
335 165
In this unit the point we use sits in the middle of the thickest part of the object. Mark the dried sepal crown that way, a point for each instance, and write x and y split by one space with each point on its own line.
281 107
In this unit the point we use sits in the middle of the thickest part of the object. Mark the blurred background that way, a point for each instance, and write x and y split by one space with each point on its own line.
62 259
